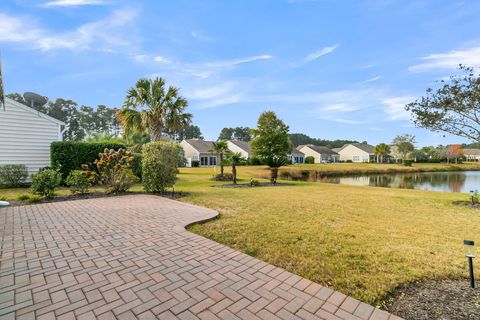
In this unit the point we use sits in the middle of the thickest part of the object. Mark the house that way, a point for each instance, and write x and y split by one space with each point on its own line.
471 154
296 157
201 151
239 146
357 152
321 154
26 135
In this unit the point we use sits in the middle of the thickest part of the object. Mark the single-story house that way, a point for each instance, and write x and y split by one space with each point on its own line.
296 157
321 154
471 154
239 146
201 151
357 152
26 135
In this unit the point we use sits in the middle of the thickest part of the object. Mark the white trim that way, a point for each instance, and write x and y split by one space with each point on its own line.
39 114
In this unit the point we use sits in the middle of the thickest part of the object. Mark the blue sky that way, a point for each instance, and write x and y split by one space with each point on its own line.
330 69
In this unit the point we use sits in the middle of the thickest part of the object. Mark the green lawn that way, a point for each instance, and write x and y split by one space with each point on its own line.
362 241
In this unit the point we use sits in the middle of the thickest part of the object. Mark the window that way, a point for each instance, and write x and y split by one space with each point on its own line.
356 158
213 161
204 161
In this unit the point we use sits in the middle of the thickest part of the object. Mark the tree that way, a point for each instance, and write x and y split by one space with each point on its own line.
190 132
220 148
454 151
453 108
237 133
150 107
382 150
235 158
17 97
300 138
405 144
270 142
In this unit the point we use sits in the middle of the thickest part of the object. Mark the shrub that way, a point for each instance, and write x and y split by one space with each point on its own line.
407 163
254 161
22 197
309 160
3 198
225 177
67 156
78 182
113 169
159 165
13 175
254 183
45 182
195 163
137 165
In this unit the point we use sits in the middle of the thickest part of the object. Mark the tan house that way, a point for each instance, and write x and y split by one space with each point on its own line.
471 154
200 151
356 152
239 146
321 154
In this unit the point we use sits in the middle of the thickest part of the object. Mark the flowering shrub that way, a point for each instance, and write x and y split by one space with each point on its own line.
113 170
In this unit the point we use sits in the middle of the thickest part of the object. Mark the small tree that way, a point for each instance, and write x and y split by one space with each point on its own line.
454 151
220 148
159 165
381 151
453 108
235 158
271 142
405 144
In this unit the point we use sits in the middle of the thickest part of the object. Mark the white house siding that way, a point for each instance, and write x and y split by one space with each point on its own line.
26 135
191 154
234 148
353 154
311 153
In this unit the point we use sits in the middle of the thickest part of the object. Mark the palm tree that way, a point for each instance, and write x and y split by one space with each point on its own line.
234 158
220 148
382 150
150 107
275 163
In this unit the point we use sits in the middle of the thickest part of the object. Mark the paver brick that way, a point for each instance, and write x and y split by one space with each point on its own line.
130 257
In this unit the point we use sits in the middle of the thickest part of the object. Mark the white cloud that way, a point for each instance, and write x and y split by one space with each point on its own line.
161 59
234 62
317 54
215 95
395 107
371 80
448 60
72 3
101 35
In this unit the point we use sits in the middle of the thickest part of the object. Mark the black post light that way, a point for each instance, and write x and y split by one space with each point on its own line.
173 192
473 194
470 255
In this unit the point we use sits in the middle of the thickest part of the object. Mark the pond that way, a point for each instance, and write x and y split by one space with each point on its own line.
452 181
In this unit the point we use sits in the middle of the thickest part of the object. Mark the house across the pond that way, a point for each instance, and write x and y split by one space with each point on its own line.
321 154
356 152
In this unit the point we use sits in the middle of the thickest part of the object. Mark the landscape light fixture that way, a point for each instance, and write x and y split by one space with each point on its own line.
470 255
173 192
473 194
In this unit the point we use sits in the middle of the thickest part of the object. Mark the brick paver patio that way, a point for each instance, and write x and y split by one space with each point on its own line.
131 258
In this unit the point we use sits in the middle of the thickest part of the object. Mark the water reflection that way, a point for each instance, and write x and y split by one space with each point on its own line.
436 181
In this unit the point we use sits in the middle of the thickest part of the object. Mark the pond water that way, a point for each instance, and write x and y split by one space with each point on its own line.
452 181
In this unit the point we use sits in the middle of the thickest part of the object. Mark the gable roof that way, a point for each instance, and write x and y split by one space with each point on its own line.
297 153
362 146
319 149
27 108
245 146
201 146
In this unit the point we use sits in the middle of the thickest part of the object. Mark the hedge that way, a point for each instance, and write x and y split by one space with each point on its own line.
70 155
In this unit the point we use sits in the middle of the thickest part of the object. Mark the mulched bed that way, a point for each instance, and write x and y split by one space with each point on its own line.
93 195
441 300
247 185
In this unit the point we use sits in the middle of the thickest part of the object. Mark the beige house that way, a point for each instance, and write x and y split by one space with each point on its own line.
356 152
321 154
239 146
296 157
471 154
26 135
200 151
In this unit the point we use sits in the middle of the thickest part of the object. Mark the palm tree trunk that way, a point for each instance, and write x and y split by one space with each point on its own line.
221 165
274 175
234 173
